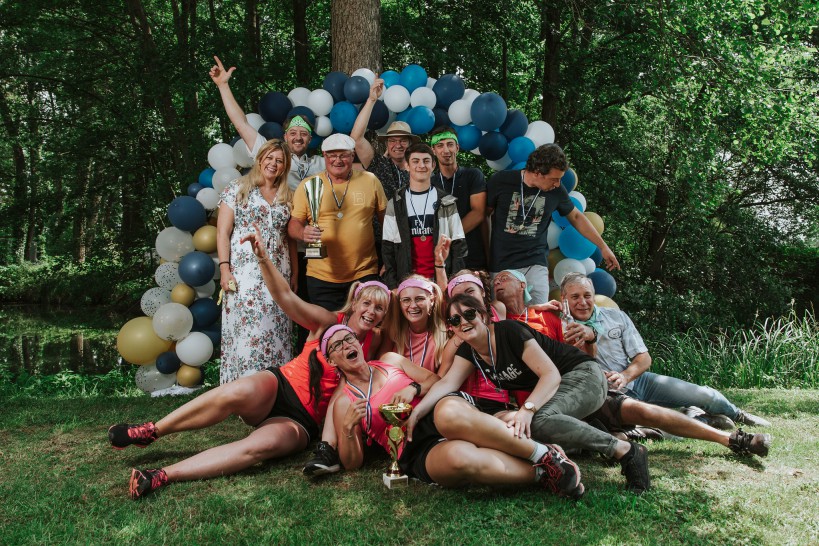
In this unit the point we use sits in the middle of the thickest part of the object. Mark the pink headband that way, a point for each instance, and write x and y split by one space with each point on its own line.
329 333
416 283
377 284
462 279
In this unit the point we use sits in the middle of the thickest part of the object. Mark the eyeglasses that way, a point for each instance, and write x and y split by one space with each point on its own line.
336 157
336 345
468 315
396 140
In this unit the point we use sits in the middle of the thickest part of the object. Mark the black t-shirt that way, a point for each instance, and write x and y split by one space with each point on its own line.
467 182
514 247
510 372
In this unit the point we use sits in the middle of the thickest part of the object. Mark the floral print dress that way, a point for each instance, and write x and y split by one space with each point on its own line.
255 331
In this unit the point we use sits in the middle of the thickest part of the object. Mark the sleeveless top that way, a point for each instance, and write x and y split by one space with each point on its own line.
297 373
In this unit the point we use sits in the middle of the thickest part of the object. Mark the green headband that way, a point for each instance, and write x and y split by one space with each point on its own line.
299 121
443 136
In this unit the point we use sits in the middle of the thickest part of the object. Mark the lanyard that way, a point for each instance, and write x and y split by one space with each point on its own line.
443 184
368 419
475 359
523 203
424 354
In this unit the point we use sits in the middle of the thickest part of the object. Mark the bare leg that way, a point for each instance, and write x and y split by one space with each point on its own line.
251 398
454 463
277 437
634 412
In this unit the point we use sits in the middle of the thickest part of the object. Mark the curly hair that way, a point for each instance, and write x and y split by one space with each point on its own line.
545 158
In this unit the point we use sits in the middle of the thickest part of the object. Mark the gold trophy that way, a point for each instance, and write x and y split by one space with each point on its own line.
396 415
314 188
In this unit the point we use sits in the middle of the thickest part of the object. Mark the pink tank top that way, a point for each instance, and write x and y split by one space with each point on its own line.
477 386
421 350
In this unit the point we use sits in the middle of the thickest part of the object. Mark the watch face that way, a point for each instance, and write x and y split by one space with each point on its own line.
529 406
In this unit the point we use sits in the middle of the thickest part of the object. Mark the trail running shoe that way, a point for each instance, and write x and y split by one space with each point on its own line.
744 443
745 418
326 461
560 475
122 435
642 434
143 482
634 466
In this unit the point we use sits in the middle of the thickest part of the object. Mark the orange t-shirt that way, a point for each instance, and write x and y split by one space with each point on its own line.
297 372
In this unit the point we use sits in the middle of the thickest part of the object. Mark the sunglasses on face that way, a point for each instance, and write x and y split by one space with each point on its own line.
468 315
349 339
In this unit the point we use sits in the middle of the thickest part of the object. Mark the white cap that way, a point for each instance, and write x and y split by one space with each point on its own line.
337 141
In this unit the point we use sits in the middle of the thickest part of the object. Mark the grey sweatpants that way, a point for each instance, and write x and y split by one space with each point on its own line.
582 391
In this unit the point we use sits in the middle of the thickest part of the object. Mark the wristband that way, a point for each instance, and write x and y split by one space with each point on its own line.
594 339
222 263
440 266
417 388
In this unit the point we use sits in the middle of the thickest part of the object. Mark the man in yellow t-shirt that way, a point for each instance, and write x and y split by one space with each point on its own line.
349 201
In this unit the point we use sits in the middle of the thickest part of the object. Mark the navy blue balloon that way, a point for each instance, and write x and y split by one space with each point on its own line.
604 283
468 136
334 84
315 143
441 117
357 89
520 148
488 111
390 77
342 116
168 362
515 125
206 177
597 256
304 112
493 145
205 312
234 140
448 89
187 214
194 188
421 120
196 268
569 180
274 106
271 129
412 77
214 332
379 116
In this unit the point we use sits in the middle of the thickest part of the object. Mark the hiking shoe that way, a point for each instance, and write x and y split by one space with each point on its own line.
326 461
716 420
744 443
122 435
745 418
143 482
634 466
559 474
641 434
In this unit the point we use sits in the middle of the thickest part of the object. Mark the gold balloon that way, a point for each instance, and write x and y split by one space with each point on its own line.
184 294
138 343
554 294
596 221
554 257
188 376
204 240
605 301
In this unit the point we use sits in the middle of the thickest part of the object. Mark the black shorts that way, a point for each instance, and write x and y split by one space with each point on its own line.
289 406
413 460
484 405
608 416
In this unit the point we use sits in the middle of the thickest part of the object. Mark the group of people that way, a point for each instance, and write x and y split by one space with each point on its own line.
502 388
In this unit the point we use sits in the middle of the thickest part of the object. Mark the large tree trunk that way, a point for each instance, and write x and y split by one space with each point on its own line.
550 34
12 127
355 34
302 42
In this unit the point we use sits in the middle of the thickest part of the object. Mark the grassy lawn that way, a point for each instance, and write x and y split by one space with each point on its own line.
62 483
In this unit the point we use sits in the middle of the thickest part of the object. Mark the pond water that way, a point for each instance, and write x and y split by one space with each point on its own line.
47 340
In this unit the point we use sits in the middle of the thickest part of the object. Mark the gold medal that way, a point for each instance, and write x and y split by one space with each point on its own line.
423 238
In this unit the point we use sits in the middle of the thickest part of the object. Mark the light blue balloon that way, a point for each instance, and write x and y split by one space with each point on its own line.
520 148
574 245
413 77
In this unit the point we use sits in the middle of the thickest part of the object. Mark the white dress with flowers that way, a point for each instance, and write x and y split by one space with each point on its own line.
255 331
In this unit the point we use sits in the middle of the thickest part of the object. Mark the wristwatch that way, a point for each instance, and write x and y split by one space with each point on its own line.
594 339
417 388
529 406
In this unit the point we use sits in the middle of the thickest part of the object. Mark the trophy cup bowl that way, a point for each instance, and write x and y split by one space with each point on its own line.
396 416
314 188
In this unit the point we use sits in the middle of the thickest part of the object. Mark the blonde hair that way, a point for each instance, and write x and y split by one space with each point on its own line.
373 293
397 326
254 178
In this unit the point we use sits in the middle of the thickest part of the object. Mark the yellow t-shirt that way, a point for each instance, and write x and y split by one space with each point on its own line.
349 240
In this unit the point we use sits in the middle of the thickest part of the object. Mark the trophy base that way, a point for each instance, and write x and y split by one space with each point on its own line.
315 252
395 482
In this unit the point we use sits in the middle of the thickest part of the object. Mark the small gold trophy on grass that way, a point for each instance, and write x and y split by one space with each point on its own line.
314 188
396 415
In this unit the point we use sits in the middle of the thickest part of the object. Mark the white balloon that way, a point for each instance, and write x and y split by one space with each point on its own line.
223 177
148 379
299 96
476 151
206 290
208 197
553 235
580 197
167 275
499 164
589 264
459 112
397 98
423 96
195 349
255 120
469 96
320 102
540 133
324 127
365 73
431 83
172 321
173 243
154 298
240 155
566 266
221 156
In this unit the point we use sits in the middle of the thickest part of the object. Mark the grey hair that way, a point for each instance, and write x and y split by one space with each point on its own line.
575 278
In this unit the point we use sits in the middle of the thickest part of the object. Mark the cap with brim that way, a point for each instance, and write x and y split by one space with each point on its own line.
337 141
399 129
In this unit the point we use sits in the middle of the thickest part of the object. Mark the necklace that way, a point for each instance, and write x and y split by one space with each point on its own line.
368 418
418 224
493 370
424 354
523 210
443 184
344 196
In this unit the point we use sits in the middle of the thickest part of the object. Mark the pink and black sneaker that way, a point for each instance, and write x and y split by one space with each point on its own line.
122 435
560 474
143 482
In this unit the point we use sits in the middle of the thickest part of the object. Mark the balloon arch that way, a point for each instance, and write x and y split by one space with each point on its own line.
181 326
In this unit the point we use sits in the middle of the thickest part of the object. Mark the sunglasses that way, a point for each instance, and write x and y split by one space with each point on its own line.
349 339
468 315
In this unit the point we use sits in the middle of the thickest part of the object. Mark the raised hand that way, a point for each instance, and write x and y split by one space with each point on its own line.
256 243
218 73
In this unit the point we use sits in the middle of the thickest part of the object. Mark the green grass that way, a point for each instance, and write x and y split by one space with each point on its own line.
61 483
